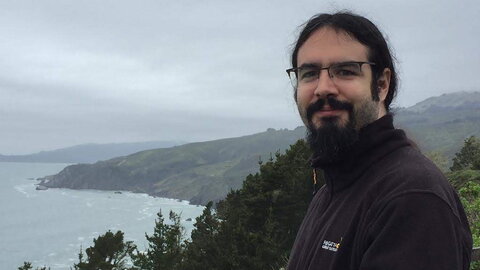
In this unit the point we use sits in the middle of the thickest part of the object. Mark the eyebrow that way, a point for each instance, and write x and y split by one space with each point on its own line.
310 65
316 65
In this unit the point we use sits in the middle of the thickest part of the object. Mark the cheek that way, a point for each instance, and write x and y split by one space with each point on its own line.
302 103
304 97
358 92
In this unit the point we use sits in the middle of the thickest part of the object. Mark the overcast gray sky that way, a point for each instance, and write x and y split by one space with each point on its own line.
75 72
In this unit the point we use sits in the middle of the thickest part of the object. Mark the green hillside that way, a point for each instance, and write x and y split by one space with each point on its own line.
198 172
442 123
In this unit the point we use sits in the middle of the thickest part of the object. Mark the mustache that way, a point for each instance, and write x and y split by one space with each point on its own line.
333 103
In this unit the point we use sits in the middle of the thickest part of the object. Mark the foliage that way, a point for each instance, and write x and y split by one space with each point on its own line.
28 266
259 222
202 251
165 246
475 266
468 157
470 197
255 226
459 178
109 252
465 177
439 159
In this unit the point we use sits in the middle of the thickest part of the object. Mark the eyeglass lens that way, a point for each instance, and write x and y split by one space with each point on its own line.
304 76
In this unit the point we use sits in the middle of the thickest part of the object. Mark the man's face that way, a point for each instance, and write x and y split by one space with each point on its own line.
325 47
334 110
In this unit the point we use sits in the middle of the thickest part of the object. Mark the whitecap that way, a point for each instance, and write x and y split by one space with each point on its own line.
23 189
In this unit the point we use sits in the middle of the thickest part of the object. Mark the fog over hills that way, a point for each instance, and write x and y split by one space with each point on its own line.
206 171
442 123
446 101
88 153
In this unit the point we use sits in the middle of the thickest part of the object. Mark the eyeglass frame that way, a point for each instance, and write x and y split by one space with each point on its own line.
295 70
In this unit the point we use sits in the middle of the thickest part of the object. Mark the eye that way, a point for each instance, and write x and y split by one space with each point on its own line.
346 70
307 74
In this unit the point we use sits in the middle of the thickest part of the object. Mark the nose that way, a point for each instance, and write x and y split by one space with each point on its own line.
325 85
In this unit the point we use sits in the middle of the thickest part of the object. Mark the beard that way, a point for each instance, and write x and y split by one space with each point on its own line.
331 142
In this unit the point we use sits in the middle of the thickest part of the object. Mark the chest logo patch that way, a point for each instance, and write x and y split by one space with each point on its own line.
330 245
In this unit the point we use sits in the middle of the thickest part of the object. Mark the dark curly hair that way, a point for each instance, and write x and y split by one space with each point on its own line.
366 33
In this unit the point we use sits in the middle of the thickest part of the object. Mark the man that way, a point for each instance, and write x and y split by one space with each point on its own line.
384 205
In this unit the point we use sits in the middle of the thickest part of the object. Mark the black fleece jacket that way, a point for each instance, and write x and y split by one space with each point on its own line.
385 207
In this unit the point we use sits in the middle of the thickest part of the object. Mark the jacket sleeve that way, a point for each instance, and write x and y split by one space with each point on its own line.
417 230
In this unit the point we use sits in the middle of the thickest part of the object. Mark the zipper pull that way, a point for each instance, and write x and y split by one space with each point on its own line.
315 187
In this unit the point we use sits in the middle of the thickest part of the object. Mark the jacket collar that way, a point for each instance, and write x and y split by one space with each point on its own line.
375 141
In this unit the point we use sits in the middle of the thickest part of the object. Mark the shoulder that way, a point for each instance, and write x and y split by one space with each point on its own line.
421 227
408 170
409 162
407 173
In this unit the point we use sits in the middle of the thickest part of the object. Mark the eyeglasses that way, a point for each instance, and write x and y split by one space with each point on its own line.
307 76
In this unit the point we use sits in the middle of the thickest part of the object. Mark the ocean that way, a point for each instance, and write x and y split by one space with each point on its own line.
49 227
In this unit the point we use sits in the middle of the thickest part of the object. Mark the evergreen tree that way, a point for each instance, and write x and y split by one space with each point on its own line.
468 157
109 252
259 222
202 251
465 177
28 266
470 197
165 246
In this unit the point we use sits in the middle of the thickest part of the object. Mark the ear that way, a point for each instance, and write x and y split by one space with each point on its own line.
383 84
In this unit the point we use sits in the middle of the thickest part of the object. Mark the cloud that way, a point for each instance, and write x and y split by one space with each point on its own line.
111 71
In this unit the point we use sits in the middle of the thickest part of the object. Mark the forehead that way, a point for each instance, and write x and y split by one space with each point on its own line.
327 45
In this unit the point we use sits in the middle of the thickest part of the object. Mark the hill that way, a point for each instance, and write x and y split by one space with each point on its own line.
88 153
200 172
442 123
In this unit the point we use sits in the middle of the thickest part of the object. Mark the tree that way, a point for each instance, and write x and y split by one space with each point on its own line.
109 252
28 266
468 157
259 222
458 179
165 246
202 251
465 177
470 197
